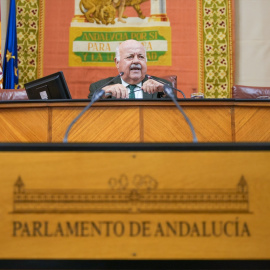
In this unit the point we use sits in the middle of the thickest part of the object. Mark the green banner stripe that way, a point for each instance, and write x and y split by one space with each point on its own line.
109 57
119 36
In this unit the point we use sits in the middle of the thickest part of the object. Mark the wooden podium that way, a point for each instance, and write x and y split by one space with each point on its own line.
136 121
131 206
141 200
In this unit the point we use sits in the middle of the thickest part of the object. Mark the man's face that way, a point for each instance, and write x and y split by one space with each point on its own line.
132 61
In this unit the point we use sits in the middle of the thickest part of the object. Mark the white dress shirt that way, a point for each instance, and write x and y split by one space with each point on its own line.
137 91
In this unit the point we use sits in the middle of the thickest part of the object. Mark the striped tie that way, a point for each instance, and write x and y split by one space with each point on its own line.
132 93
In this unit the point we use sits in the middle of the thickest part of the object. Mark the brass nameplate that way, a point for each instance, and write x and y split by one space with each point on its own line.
135 205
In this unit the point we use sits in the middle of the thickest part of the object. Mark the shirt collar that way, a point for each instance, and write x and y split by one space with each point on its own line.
126 84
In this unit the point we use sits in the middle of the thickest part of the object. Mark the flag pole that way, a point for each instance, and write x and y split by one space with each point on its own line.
10 57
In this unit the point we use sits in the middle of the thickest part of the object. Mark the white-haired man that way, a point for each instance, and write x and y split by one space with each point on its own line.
131 59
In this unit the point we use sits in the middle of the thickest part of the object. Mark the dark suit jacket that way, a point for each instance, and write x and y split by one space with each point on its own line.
103 83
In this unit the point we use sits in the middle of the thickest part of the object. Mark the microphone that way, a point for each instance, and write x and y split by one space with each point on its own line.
150 77
168 90
96 96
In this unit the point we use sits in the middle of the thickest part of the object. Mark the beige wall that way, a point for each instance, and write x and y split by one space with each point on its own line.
252 36
252 55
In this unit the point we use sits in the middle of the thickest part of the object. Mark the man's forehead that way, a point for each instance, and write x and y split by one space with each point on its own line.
132 48
133 51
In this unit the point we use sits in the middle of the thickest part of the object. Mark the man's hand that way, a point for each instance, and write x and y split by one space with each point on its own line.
151 86
116 90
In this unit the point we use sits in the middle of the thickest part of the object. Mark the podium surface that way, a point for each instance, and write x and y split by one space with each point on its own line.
134 202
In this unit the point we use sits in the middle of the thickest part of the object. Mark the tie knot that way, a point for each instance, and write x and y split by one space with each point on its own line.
132 86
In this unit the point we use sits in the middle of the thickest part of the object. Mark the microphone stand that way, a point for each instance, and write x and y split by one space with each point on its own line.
168 90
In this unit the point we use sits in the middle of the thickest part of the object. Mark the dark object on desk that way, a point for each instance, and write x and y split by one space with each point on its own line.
250 92
53 86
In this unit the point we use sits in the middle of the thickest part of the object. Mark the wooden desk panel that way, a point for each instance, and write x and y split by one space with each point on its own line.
165 125
24 124
136 121
97 125
252 125
211 124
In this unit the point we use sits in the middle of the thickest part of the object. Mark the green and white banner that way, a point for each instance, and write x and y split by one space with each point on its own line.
96 46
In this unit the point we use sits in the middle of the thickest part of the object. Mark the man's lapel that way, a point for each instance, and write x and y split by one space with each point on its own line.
116 81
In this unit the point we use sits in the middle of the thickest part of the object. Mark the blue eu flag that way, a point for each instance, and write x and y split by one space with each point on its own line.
10 65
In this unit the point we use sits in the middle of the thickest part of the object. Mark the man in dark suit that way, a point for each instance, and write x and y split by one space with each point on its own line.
130 58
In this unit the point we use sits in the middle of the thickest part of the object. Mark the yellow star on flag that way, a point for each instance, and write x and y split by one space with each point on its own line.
16 71
9 55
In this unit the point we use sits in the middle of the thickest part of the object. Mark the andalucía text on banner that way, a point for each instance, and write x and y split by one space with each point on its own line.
10 64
